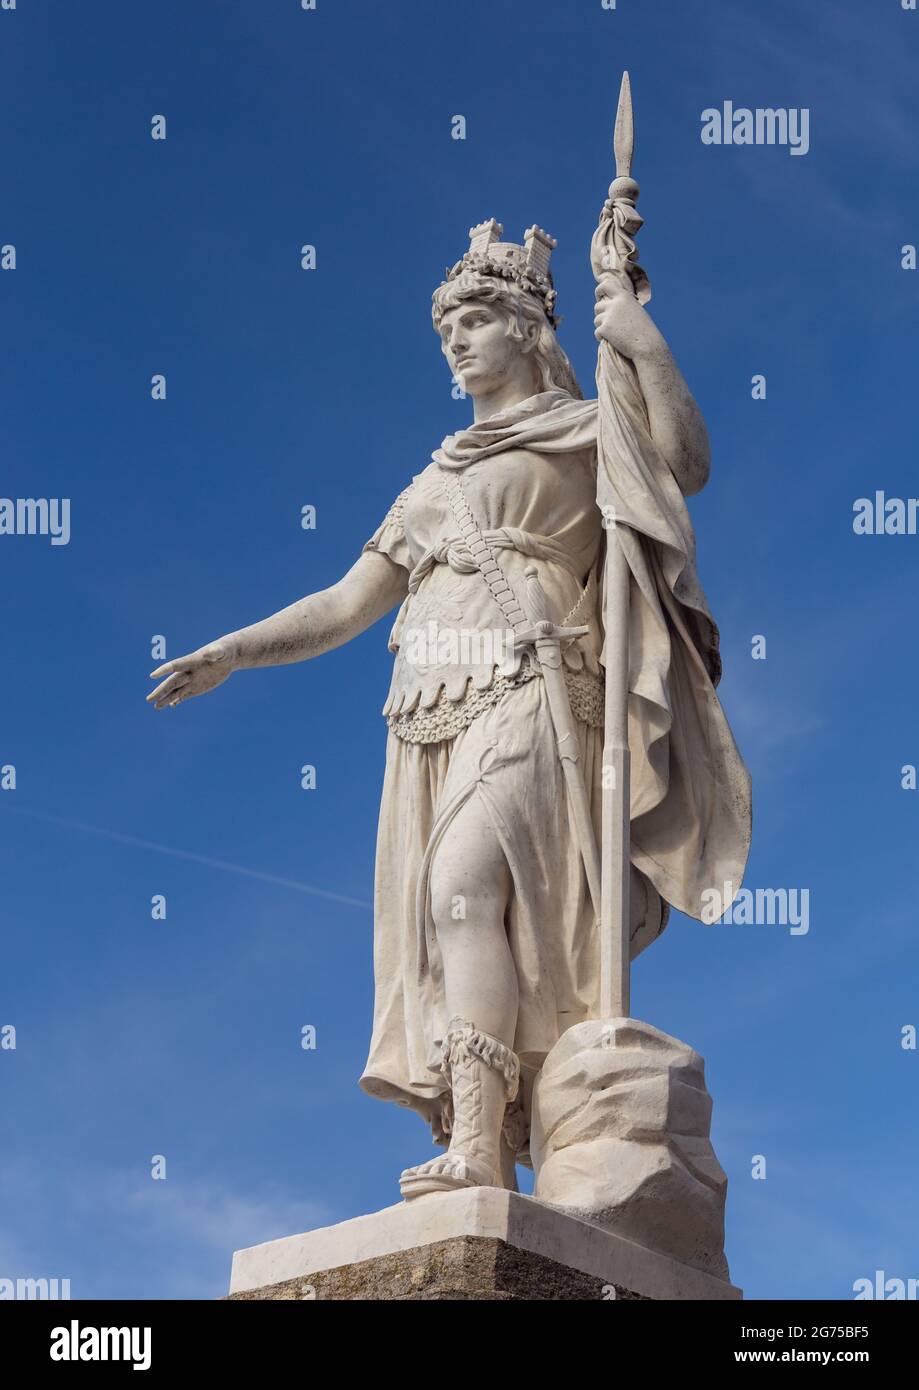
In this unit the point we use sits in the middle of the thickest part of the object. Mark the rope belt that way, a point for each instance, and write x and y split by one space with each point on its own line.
455 551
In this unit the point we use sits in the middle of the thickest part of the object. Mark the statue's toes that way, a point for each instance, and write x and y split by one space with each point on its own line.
446 1173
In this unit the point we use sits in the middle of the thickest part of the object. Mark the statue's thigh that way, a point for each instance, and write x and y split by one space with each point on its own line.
469 869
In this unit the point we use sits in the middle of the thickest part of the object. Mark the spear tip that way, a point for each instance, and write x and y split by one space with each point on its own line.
624 131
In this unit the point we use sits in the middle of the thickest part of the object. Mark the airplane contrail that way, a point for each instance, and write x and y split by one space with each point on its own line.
138 843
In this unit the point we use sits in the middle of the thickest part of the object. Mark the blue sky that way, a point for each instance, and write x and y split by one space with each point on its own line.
287 387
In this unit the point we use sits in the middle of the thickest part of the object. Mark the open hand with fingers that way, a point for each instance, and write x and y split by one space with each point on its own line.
194 674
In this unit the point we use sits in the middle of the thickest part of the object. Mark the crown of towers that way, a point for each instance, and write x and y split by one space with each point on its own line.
526 265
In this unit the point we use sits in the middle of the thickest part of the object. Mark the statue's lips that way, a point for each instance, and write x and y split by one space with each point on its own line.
464 361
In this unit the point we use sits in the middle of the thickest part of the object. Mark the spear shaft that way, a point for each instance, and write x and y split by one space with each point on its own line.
614 250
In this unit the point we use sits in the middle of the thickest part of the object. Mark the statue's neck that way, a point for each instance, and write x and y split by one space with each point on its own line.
503 397
484 407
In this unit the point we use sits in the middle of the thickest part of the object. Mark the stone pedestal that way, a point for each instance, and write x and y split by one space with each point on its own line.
481 1243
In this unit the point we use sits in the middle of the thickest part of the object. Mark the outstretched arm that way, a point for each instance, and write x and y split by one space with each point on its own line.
309 627
677 427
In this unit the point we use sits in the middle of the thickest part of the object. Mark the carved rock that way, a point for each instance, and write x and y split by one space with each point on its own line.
620 1138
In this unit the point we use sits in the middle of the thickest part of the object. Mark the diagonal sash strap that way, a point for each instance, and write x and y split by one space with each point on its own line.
485 560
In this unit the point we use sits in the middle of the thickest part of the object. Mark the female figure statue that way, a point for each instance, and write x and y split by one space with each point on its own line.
486 946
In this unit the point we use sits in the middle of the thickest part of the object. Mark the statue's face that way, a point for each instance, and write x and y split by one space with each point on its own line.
476 344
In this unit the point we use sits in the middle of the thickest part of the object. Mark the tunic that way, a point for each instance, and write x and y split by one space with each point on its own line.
470 718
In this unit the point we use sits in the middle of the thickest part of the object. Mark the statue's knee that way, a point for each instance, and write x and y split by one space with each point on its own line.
458 896
470 879
451 901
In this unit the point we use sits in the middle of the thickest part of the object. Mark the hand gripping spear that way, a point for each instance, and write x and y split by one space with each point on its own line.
613 250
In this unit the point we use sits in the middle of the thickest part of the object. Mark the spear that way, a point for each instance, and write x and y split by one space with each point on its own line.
613 249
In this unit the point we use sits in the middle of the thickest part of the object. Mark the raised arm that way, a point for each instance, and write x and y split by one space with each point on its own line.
677 427
309 627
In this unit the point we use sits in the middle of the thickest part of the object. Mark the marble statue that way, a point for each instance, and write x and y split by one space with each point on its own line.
559 770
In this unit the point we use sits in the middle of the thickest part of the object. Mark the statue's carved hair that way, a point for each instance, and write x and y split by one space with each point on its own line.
520 309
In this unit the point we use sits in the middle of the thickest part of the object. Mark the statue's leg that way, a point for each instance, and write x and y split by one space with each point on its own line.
470 889
471 885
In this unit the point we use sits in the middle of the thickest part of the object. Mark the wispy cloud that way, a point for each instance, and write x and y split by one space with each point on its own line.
136 842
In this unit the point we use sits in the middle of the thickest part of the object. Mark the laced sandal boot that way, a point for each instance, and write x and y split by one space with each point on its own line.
484 1075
